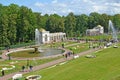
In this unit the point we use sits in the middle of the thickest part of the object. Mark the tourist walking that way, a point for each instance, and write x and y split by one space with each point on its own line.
30 67
66 56
69 53
3 73
23 68
73 53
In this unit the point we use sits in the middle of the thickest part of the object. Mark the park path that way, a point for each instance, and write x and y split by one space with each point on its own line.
46 65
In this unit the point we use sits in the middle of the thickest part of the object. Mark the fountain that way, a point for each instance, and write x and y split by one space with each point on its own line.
44 52
114 34
37 41
37 37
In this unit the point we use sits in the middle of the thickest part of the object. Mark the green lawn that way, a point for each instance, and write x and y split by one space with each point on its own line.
19 63
97 37
106 66
79 47
59 44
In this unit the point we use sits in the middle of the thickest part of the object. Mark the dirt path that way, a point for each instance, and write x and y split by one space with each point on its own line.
35 68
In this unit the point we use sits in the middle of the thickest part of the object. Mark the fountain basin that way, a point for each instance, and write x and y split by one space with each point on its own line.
115 46
33 77
29 53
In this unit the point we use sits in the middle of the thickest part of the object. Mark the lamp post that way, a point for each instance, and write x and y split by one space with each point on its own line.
9 57
27 62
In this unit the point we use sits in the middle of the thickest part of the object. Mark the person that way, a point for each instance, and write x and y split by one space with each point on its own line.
66 56
62 45
23 67
30 67
3 73
69 53
73 53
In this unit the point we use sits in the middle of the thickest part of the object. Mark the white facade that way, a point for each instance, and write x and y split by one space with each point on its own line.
95 31
43 37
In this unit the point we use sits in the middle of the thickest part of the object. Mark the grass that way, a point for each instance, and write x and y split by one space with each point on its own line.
19 63
104 67
59 44
79 48
98 37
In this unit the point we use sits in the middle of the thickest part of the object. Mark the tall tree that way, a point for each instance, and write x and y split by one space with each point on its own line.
12 17
70 23
116 21
104 23
55 23
22 24
31 18
94 19
81 24
4 29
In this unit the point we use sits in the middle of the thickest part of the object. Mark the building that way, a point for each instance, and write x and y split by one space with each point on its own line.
42 36
95 31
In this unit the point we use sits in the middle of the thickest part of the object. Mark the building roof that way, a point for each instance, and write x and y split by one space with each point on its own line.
99 26
42 30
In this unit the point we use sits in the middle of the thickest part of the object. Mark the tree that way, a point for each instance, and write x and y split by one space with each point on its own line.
23 24
12 17
12 28
94 19
81 24
104 22
55 23
116 21
70 23
4 28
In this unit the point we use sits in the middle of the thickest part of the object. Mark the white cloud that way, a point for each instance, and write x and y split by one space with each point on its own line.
63 7
112 4
100 9
116 4
38 4
89 1
54 1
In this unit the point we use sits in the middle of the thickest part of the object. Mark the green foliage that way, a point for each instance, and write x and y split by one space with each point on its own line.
81 25
70 25
116 21
98 37
55 23
79 47
0 52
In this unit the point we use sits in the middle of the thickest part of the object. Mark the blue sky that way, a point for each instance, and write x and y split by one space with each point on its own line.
63 7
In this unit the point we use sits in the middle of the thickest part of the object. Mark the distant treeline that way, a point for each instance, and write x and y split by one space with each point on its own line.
18 23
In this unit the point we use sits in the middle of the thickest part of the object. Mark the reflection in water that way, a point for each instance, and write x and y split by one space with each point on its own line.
50 51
